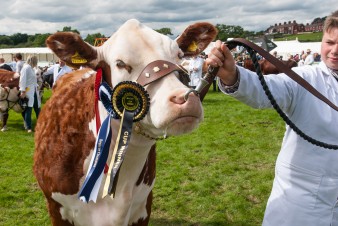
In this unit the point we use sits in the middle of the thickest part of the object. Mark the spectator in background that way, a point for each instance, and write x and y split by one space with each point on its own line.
29 88
13 64
195 69
302 60
18 65
4 66
239 61
58 70
316 57
309 58
275 54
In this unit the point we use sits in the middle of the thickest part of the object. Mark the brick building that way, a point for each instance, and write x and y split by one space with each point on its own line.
314 27
294 28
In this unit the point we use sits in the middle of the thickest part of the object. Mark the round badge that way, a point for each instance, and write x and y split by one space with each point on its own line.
132 97
130 101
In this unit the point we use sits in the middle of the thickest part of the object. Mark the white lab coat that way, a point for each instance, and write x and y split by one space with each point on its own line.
305 188
58 73
28 83
195 75
309 59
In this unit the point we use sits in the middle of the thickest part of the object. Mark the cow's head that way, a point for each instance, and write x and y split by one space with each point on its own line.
125 55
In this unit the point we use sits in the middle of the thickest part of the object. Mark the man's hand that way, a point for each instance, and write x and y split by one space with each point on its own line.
220 56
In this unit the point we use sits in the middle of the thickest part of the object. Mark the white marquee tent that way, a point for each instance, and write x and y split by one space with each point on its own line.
284 48
44 54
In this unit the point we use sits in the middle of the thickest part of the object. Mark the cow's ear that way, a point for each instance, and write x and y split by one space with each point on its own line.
70 47
196 38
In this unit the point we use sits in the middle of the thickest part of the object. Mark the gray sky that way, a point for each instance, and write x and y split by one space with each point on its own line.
105 16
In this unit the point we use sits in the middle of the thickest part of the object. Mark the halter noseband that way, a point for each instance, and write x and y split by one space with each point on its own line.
156 70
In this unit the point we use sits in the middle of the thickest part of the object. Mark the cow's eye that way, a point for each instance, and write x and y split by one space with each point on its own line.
122 65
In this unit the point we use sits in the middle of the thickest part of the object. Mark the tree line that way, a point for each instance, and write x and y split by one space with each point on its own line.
20 40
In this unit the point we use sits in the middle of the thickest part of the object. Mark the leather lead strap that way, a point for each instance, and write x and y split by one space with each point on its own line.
209 77
282 68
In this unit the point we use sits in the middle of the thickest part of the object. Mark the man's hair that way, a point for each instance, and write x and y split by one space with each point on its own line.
331 22
2 60
18 56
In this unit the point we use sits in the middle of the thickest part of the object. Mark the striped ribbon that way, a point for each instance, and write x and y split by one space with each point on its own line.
91 186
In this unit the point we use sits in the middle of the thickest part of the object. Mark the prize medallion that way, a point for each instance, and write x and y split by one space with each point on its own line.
132 97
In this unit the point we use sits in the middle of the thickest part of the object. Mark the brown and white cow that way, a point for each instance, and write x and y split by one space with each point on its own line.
66 129
267 67
9 96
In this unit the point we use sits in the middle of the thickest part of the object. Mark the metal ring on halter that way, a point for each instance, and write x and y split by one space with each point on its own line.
186 95
200 86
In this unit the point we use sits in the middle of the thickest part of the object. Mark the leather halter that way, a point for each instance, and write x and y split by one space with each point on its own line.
156 70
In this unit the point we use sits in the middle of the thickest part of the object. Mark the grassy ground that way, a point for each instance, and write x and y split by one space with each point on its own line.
221 174
305 37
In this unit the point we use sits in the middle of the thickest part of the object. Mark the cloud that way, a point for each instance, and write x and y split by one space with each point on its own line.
105 16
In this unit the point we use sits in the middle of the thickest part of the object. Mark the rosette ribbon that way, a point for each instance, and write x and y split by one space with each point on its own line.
130 102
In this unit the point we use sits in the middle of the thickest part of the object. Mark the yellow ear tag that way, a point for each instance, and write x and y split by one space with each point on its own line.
77 59
192 47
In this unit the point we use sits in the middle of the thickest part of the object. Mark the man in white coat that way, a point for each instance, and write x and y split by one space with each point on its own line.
305 187
58 70
195 69
309 58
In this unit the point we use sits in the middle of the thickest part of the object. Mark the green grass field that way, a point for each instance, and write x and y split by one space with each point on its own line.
221 174
305 37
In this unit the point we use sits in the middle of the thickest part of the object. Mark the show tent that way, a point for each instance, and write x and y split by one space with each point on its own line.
44 54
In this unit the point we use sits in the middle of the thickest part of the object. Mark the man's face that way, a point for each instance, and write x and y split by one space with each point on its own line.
329 48
61 63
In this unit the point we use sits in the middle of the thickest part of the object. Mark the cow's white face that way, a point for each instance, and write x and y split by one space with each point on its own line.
134 46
